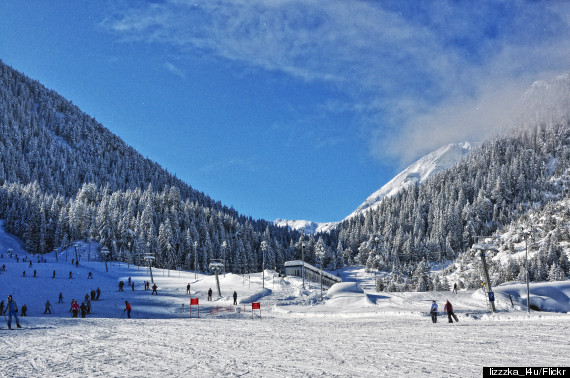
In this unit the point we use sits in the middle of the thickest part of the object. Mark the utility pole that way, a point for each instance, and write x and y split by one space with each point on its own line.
263 249
195 259
224 247
303 256
526 234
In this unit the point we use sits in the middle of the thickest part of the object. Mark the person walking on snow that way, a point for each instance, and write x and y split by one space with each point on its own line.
433 312
48 307
154 287
188 288
12 310
83 309
235 298
127 309
210 294
450 314
455 288
98 294
74 308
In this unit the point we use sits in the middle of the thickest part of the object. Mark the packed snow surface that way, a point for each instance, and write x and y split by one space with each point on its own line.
354 331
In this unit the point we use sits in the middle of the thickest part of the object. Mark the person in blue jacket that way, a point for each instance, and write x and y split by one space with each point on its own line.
433 312
12 310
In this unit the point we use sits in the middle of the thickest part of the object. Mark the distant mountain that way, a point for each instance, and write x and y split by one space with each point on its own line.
429 165
308 226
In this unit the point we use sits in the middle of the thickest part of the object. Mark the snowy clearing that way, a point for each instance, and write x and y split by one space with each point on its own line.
354 332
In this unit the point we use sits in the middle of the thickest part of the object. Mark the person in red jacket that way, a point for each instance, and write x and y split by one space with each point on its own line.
128 309
74 308
449 309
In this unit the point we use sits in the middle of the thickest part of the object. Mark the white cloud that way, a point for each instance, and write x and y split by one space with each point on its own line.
174 70
417 78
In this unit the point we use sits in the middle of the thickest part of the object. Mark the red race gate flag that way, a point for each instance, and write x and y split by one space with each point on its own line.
194 302
255 306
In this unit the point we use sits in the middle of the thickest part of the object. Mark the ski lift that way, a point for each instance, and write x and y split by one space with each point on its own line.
216 266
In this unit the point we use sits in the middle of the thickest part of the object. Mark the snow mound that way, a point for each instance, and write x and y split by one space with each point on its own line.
341 289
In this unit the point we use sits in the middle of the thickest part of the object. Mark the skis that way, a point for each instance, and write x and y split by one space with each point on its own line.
23 328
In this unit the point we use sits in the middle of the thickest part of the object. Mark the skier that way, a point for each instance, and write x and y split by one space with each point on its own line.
53 276
121 284
154 287
133 285
24 274
433 312
12 310
89 275
129 281
24 310
35 273
70 274
127 309
210 294
92 294
235 298
74 308
188 288
455 288
48 307
88 306
60 298
450 314
83 309
98 294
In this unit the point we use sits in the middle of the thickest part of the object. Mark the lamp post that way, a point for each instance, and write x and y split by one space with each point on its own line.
303 256
321 254
224 247
525 235
263 249
195 259
130 254
76 255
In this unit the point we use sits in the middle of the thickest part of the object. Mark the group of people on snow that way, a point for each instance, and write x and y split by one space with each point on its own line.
448 308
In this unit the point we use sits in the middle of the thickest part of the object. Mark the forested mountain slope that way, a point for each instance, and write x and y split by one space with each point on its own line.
65 177
495 186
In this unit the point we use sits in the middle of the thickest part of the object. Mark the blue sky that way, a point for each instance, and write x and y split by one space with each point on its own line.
289 109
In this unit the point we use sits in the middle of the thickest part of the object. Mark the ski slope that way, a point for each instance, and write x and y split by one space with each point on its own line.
354 332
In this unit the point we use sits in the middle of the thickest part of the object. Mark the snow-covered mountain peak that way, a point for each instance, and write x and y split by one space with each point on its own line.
433 163
308 226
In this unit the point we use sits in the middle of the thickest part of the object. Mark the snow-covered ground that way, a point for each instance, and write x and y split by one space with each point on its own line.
353 332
